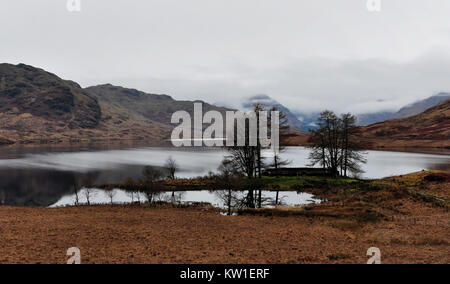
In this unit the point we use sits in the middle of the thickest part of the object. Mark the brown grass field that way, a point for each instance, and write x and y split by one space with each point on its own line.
412 229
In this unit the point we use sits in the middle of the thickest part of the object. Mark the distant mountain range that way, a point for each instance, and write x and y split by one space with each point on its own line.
420 106
305 122
430 128
407 111
39 107
269 103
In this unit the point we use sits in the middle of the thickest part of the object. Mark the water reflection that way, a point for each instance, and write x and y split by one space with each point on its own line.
33 187
43 179
98 196
41 187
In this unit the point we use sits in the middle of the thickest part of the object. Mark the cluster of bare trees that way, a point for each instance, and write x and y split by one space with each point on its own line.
151 182
149 185
336 144
85 182
249 160
229 181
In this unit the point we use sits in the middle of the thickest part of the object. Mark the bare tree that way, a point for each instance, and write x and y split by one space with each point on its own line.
111 193
228 180
138 197
284 131
88 183
335 145
151 179
130 186
88 194
259 109
172 167
76 188
352 157
130 194
244 160
326 147
77 198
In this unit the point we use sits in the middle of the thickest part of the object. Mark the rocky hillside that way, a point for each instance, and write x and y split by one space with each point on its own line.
428 129
122 104
35 103
39 107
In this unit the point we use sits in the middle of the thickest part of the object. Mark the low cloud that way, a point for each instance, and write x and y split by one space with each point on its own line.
357 86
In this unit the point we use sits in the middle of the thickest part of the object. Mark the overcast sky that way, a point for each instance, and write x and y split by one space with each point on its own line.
308 55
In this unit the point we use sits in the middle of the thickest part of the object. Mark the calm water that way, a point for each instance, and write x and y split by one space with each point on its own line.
98 196
45 178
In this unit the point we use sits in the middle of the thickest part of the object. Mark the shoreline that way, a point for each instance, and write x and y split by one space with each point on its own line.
130 144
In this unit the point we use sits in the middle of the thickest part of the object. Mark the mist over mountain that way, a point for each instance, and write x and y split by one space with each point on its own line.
308 121
430 128
407 111
269 103
371 118
421 106
39 107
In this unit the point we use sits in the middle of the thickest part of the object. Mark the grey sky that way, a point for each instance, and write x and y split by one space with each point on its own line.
309 55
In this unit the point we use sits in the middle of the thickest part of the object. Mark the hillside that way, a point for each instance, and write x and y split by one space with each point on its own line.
428 129
122 104
421 106
308 121
39 107
366 119
37 104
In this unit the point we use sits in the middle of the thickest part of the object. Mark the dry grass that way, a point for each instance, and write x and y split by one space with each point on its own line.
405 229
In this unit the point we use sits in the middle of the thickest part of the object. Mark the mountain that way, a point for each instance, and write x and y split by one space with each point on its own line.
407 111
269 103
420 106
25 89
365 119
371 118
309 121
35 103
305 122
39 107
130 104
430 128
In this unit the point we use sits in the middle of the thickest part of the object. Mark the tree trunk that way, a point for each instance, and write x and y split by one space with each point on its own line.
260 199
259 162
250 199
229 202
77 200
